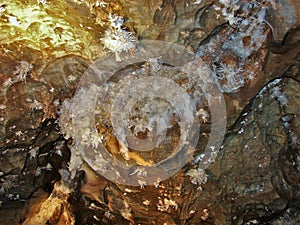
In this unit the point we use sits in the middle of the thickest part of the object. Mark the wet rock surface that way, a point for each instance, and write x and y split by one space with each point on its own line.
255 177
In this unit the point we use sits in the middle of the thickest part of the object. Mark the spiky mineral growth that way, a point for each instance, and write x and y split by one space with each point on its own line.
230 78
198 176
117 39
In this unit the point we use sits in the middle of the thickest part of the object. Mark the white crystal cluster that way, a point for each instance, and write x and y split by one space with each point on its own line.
146 107
117 39
246 34
93 106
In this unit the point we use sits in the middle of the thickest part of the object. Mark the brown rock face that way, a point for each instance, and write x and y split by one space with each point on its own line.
51 51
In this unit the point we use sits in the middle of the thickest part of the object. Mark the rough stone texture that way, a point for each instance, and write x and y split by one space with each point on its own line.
260 157
255 179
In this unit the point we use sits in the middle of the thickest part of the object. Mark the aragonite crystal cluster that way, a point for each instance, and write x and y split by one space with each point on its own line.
108 114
